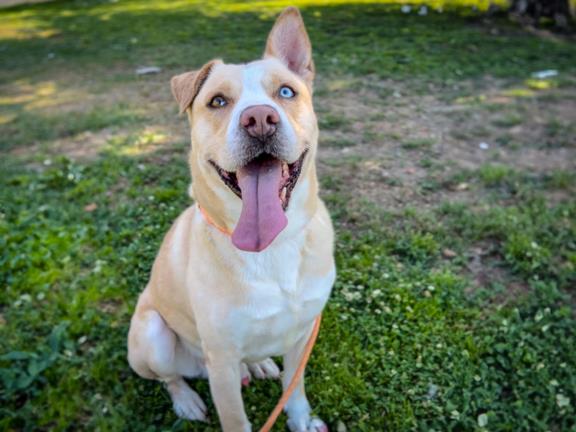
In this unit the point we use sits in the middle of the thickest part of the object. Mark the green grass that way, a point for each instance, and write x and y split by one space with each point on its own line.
418 143
331 121
82 35
560 134
27 128
508 120
413 338
404 344
493 175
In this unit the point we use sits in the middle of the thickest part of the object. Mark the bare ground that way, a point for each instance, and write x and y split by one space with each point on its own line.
403 146
394 146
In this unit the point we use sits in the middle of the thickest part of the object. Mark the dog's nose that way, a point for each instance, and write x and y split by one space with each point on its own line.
260 121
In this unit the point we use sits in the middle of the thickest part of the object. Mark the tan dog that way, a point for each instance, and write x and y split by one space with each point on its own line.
219 306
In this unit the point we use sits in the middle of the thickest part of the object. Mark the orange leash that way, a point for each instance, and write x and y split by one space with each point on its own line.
295 379
303 361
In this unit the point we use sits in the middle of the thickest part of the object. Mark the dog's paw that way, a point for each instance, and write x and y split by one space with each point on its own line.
312 424
264 369
245 373
187 403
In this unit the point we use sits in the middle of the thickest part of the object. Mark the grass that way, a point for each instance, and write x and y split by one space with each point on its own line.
28 128
492 175
330 121
417 143
560 134
454 311
508 121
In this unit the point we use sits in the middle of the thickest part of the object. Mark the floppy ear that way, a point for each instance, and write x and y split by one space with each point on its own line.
289 42
186 86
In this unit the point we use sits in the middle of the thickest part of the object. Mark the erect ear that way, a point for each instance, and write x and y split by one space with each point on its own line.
186 86
289 42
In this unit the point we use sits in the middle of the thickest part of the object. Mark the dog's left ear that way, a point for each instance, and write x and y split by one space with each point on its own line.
289 42
186 86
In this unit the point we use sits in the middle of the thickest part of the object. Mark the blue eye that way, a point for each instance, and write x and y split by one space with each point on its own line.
286 92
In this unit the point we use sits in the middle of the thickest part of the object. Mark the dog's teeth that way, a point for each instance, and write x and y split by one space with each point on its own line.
285 170
283 193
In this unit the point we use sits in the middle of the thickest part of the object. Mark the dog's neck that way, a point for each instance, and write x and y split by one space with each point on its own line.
221 209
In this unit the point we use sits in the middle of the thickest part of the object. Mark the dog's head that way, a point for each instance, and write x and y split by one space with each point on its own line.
254 135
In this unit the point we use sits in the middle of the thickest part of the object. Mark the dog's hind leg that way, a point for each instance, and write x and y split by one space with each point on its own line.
154 352
260 370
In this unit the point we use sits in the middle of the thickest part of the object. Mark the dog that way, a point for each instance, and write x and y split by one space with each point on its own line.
242 275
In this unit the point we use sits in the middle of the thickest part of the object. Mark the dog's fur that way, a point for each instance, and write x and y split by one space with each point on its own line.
210 309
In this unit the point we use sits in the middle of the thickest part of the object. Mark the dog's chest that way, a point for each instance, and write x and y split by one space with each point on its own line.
281 303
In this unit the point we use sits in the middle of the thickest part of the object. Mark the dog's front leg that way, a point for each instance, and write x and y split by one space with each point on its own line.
224 374
298 408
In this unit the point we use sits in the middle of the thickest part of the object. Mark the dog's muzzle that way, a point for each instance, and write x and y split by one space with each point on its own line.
261 130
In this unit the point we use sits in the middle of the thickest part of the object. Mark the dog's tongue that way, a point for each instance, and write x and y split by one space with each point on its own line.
262 217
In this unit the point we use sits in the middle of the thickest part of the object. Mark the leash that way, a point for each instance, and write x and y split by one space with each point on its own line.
303 361
295 379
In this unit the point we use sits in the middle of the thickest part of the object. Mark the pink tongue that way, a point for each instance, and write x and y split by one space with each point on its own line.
262 217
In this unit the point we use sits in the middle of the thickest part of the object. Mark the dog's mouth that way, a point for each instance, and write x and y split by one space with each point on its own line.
290 174
264 185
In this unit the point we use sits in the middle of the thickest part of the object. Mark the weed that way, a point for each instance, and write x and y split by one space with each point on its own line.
418 143
494 175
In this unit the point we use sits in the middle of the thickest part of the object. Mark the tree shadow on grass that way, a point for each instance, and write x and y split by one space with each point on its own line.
366 38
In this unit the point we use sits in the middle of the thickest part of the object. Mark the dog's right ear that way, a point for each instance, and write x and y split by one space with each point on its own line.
186 86
288 41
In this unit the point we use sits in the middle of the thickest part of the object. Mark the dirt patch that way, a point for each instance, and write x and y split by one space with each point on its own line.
396 146
151 114
84 146
485 268
408 147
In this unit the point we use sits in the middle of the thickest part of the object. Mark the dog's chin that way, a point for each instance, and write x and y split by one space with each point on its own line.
290 175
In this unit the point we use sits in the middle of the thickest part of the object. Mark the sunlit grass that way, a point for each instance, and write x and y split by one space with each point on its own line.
216 7
6 118
142 143
29 93
22 25
41 95
540 84
27 128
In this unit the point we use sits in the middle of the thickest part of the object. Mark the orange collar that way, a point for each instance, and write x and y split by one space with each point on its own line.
209 221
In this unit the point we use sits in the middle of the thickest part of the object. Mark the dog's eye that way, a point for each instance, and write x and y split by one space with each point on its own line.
218 102
286 92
